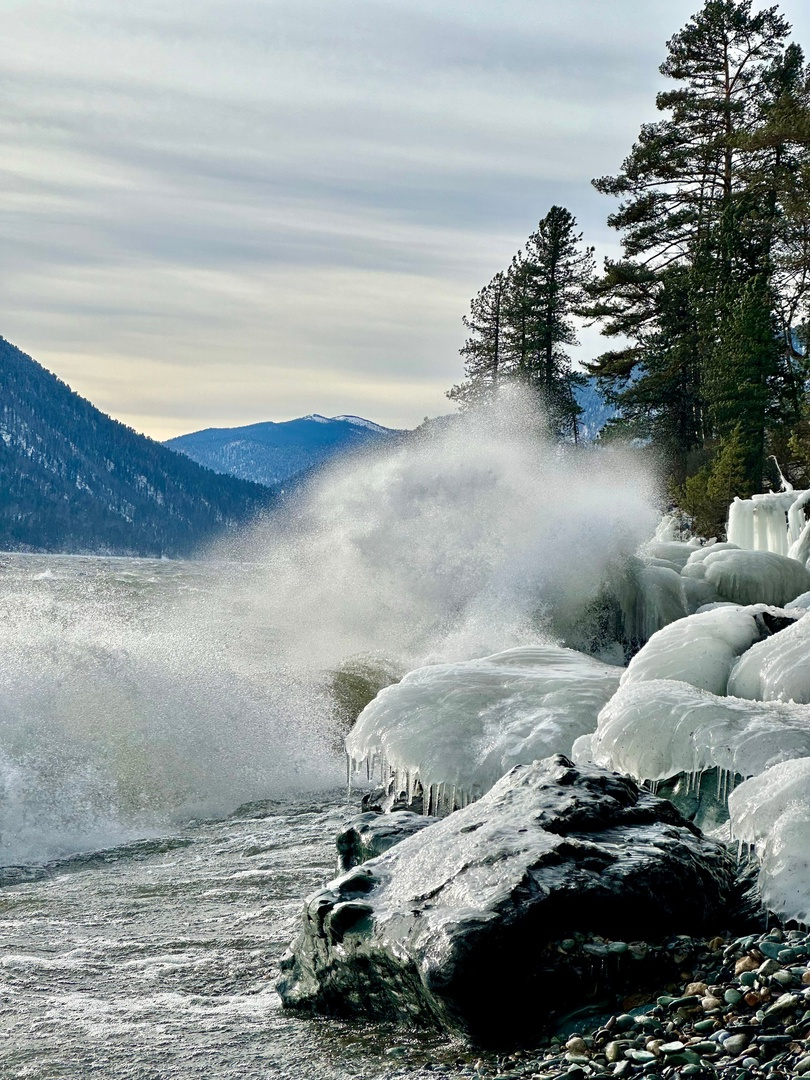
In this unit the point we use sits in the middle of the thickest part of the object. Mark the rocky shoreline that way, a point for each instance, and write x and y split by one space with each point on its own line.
743 1013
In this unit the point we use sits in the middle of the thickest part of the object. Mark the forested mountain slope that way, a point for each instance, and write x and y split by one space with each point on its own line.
272 453
74 480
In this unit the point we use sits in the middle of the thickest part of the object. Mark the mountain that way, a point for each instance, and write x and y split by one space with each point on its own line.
72 479
271 453
595 412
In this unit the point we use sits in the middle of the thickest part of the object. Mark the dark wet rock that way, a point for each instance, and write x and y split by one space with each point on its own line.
463 925
776 623
369 835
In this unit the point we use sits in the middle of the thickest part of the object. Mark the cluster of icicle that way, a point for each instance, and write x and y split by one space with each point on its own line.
774 522
724 688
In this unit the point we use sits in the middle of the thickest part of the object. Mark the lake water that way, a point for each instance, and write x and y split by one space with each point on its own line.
143 913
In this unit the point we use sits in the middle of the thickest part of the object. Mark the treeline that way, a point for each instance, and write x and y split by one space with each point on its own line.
708 304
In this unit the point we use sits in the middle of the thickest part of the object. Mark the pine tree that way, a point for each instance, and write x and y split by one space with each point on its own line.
484 350
559 270
523 322
700 218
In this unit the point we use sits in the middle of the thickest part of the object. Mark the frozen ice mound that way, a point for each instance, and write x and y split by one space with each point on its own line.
752 577
464 725
772 812
777 669
700 649
656 730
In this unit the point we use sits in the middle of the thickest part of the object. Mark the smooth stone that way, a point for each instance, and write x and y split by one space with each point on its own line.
771 949
706 1047
803 1066
614 1051
673 1047
703 1026
748 978
689 1001
736 1044
733 997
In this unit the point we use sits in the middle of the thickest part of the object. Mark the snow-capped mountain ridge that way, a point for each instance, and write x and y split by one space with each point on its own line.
274 452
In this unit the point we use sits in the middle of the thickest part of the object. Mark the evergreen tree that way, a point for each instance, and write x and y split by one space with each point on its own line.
700 218
484 350
558 271
522 323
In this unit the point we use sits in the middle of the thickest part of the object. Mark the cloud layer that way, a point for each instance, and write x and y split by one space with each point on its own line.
223 211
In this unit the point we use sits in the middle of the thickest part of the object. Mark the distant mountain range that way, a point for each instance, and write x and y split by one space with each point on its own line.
274 453
72 479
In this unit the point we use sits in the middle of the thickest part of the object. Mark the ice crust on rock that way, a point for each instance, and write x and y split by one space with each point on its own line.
369 835
457 728
457 925
656 730
755 577
776 669
772 812
700 649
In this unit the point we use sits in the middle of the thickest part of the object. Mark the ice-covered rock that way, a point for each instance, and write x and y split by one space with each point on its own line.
656 730
457 728
369 835
674 552
700 650
772 812
751 577
460 925
777 669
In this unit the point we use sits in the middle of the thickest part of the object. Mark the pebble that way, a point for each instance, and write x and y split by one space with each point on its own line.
737 1013
735 1044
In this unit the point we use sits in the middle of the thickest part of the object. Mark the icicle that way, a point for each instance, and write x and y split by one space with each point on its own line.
698 779
348 775
408 786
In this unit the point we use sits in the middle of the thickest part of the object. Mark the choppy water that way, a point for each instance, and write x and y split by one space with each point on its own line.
154 952
138 696
159 959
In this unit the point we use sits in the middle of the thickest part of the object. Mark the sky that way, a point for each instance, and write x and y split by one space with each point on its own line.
218 212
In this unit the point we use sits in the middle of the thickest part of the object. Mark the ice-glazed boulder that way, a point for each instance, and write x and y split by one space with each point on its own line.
700 650
777 669
656 730
460 925
772 812
369 835
752 577
462 726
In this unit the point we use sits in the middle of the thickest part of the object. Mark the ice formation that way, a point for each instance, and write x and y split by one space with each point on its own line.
752 577
775 522
655 730
457 728
700 649
777 669
772 812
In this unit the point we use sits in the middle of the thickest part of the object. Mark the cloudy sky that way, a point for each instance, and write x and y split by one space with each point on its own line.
214 212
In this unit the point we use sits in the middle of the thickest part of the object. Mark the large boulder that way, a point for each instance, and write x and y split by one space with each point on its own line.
371 834
465 925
